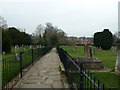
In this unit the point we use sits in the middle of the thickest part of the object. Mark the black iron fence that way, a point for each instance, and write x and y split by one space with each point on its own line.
78 77
13 67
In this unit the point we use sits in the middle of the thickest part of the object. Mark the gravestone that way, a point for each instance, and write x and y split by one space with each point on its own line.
88 51
24 47
30 46
40 46
3 53
37 46
16 48
117 66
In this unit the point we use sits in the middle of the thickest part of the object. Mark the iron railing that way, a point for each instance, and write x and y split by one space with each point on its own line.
78 77
13 67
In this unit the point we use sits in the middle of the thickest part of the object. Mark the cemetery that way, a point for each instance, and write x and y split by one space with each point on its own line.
15 64
98 62
48 58
103 69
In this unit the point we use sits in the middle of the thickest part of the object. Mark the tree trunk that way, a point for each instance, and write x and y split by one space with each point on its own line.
117 67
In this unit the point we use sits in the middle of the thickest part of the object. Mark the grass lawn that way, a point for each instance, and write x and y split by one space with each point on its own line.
13 53
11 66
106 56
111 80
8 55
77 52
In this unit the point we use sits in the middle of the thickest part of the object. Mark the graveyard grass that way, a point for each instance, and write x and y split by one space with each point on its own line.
110 79
12 53
9 65
106 56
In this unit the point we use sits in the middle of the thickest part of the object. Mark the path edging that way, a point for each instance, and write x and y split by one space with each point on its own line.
64 80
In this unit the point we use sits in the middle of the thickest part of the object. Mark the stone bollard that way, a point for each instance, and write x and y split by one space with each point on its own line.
117 66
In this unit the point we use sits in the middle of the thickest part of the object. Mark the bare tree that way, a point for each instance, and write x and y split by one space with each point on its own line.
34 39
53 33
38 34
3 23
49 35
40 30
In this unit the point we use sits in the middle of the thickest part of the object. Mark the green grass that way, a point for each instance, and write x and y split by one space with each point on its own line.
11 66
13 53
8 55
106 56
109 79
77 52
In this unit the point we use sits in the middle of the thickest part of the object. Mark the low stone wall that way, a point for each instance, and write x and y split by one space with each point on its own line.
89 63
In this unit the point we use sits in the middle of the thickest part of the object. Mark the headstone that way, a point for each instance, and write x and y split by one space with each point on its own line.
40 46
18 47
3 53
87 51
15 48
37 46
90 52
24 47
30 46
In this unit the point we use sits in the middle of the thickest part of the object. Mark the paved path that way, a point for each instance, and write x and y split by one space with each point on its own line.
44 74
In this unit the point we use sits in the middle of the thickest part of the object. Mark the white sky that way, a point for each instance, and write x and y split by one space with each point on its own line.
75 17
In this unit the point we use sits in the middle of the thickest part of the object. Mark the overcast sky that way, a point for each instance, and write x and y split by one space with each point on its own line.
75 17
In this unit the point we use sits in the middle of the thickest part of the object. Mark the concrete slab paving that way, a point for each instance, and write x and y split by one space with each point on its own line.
43 74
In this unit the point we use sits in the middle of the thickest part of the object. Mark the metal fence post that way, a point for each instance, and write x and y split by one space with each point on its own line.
38 53
81 77
21 64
